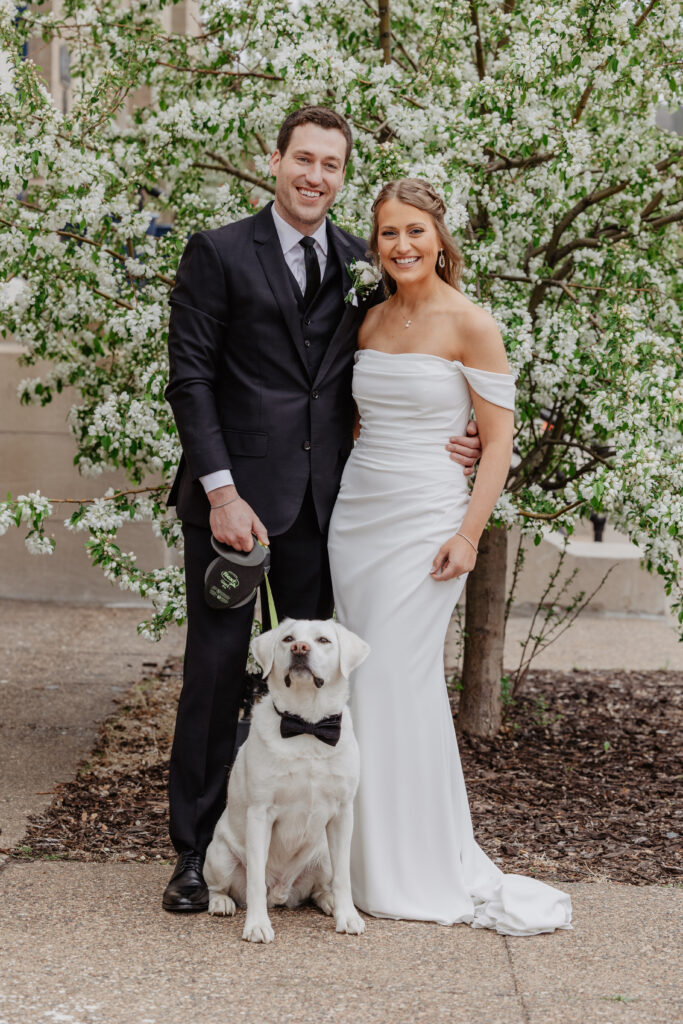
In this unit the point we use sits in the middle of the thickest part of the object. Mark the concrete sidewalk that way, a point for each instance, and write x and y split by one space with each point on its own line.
89 943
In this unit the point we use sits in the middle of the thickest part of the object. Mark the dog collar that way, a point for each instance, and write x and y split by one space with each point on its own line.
327 729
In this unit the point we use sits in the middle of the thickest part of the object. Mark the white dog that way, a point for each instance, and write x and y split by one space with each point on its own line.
285 834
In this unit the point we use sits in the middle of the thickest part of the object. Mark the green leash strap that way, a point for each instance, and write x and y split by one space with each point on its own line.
271 603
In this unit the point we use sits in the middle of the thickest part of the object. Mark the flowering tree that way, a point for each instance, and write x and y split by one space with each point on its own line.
536 120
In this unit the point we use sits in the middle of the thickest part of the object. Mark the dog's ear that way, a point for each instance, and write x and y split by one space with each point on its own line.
263 649
352 650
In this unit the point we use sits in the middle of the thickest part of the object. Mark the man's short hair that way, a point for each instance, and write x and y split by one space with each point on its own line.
322 116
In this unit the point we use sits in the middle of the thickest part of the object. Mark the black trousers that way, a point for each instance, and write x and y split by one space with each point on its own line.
214 668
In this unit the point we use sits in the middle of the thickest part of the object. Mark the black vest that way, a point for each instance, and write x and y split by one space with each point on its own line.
319 321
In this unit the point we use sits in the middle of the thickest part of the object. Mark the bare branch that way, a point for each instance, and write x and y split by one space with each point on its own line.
572 615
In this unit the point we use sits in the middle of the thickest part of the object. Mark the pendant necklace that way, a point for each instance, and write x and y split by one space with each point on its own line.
406 323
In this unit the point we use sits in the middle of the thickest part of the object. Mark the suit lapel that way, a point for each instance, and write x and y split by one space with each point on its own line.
271 258
349 319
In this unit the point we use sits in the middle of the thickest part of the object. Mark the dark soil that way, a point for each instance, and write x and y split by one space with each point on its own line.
580 784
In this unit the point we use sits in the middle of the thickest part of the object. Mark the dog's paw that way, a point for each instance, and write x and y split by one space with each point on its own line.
258 931
350 922
221 905
325 901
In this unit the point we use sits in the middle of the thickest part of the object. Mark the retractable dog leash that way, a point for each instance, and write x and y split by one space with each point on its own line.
233 578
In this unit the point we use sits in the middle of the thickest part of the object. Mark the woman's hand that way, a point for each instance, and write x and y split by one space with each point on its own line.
455 558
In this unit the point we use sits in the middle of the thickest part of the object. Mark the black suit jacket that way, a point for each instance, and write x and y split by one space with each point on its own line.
239 386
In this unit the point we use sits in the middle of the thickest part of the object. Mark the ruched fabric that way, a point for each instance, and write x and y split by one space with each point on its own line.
414 855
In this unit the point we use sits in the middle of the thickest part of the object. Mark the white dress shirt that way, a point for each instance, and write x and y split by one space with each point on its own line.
289 239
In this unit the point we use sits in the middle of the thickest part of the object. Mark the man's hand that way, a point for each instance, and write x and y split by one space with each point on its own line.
233 521
466 450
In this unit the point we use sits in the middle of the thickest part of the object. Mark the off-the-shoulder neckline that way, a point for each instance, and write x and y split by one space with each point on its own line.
430 355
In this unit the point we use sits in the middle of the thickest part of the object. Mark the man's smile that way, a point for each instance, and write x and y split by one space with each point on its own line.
308 193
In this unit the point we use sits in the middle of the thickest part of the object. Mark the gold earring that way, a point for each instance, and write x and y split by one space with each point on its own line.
442 259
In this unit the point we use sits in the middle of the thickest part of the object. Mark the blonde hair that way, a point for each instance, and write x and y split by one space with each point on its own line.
420 194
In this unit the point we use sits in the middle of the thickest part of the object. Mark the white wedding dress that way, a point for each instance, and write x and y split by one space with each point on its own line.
414 855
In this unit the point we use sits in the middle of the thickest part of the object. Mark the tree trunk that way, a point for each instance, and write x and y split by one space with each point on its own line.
481 705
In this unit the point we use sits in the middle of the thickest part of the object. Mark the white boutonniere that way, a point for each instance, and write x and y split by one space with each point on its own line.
364 278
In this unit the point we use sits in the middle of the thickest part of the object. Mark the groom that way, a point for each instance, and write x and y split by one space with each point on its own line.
261 349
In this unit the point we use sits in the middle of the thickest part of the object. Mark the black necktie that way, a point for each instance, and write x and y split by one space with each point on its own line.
327 729
312 269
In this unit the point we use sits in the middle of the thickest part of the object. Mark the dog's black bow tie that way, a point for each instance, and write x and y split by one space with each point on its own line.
327 729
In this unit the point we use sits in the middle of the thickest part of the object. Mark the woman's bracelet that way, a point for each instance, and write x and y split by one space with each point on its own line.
458 534
214 507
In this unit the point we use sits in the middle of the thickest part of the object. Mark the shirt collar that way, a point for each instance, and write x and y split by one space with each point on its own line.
289 236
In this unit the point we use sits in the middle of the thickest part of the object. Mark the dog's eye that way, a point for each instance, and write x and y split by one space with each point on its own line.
323 640
288 639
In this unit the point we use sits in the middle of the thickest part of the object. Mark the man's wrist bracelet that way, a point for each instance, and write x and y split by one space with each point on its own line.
214 507
458 534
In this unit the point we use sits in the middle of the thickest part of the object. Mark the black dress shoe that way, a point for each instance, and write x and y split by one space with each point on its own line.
187 891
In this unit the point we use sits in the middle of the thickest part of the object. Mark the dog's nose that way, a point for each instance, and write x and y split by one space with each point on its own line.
300 647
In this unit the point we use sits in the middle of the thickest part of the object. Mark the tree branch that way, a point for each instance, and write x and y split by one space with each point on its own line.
385 29
220 72
661 221
651 206
575 284
643 16
262 143
584 448
549 516
585 96
397 42
551 247
237 173
478 47
109 497
541 288
575 299
506 163
81 238
111 298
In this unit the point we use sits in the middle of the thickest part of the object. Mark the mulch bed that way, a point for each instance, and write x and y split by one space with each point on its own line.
580 785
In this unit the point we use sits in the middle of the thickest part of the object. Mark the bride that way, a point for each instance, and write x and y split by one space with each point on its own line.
403 537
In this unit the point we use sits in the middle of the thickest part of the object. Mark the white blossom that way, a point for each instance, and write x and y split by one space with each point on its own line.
84 289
